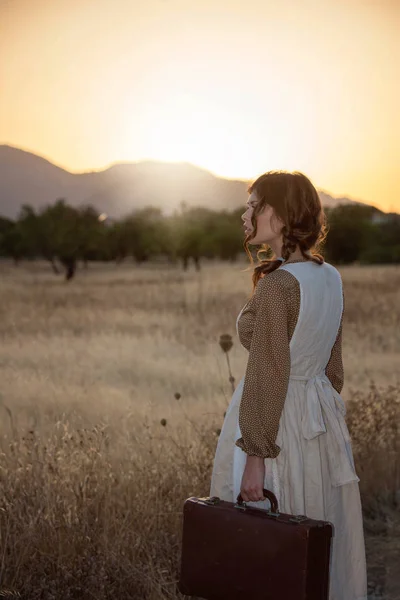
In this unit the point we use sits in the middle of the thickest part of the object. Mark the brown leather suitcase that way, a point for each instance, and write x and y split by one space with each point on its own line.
231 551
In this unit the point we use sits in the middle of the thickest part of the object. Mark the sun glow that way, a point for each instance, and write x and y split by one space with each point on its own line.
235 88
212 133
186 127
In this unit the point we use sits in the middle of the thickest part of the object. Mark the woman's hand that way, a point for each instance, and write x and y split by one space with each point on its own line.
252 484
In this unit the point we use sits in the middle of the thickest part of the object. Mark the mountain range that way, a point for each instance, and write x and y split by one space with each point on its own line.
26 178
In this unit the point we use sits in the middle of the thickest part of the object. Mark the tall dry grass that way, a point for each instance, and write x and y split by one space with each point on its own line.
113 391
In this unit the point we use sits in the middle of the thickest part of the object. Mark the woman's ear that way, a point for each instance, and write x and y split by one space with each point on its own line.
277 223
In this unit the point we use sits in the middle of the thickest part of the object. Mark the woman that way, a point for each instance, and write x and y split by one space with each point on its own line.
284 429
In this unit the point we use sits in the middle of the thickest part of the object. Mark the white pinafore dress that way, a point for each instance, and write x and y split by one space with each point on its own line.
314 473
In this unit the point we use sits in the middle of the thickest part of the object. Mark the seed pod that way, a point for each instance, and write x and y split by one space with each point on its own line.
225 341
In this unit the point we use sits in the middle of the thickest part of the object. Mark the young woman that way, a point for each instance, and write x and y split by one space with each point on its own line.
285 427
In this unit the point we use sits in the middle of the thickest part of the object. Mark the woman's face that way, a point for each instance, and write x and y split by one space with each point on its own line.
269 225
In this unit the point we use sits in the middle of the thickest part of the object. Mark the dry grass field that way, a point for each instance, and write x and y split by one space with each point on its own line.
113 387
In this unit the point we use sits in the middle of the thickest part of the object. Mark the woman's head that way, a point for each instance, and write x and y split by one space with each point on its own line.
284 212
263 225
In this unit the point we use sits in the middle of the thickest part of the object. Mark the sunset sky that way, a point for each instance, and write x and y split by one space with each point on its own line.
237 87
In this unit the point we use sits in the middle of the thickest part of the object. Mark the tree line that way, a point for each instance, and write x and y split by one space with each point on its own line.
64 235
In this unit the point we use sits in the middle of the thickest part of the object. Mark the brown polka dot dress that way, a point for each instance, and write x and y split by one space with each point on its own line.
265 328
287 409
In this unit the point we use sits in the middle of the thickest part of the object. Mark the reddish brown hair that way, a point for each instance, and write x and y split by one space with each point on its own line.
295 200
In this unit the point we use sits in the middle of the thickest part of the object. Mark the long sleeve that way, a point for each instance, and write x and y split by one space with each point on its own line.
268 369
334 369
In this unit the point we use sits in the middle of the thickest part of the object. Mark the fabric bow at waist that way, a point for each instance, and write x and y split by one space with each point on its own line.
324 414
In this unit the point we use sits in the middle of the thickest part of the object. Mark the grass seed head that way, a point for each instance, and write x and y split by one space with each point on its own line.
225 341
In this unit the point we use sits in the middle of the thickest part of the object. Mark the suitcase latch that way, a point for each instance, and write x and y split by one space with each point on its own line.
212 500
240 506
299 518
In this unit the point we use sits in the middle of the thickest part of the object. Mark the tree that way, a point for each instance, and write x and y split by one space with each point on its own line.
350 231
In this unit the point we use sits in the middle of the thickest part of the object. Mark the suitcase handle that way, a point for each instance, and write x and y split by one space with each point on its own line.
271 497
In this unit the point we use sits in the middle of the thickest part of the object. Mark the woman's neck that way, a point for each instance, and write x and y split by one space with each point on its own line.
297 255
299 259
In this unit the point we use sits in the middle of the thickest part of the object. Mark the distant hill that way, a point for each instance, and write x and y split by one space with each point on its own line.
26 178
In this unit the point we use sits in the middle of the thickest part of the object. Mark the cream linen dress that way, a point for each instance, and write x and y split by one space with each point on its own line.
314 472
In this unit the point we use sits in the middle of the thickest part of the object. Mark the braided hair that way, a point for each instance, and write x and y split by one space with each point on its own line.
296 202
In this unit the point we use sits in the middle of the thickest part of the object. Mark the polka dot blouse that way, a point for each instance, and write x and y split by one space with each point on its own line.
265 328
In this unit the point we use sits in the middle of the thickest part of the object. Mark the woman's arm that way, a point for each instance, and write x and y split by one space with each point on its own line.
334 368
267 372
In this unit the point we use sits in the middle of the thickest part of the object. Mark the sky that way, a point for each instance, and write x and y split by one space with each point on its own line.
236 87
